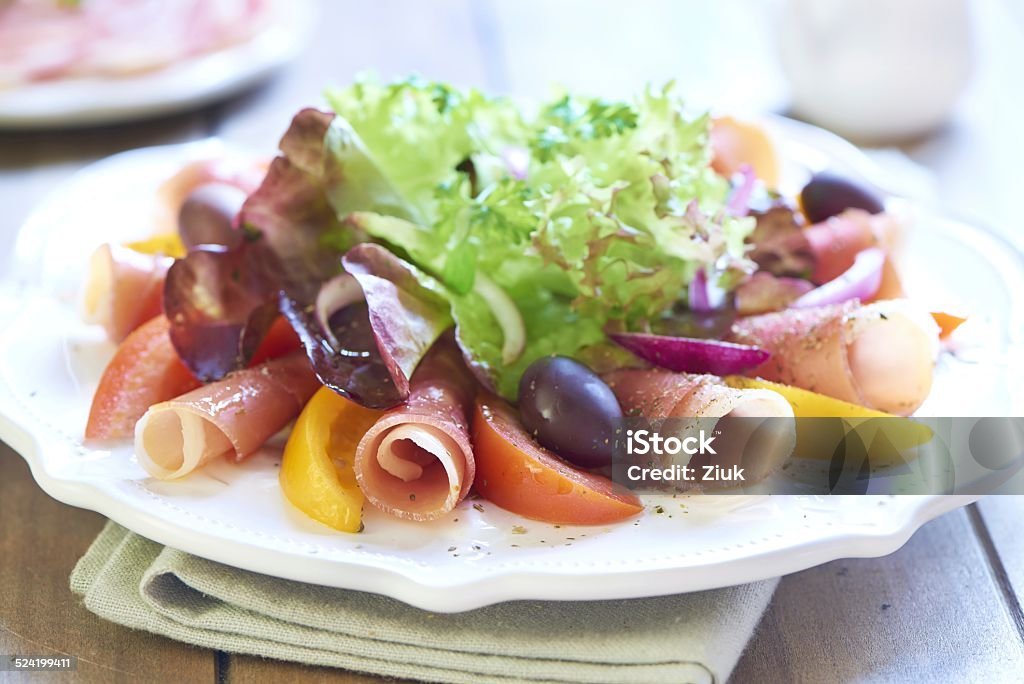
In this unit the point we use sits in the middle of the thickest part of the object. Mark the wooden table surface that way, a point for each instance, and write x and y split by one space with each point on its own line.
946 607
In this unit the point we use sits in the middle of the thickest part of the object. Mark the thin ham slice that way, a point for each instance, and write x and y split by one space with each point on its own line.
416 462
244 174
232 417
47 39
836 242
738 413
124 289
763 292
879 355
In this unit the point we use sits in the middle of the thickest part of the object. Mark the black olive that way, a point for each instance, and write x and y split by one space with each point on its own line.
827 195
207 215
570 410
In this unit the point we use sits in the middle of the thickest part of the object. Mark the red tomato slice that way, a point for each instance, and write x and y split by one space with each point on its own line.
145 370
281 340
521 476
947 323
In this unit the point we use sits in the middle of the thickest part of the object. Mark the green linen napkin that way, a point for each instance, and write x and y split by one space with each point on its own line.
684 638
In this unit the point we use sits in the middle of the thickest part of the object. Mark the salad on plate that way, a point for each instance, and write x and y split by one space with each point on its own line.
447 296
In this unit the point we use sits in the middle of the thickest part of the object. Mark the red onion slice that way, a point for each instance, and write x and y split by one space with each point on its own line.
704 296
689 355
739 200
336 294
861 281
517 161
697 293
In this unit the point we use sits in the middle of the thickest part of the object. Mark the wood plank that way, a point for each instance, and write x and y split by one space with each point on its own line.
252 670
40 542
389 37
998 521
928 613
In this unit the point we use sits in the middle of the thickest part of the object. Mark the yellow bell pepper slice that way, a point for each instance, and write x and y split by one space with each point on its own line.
168 244
805 403
317 474
891 440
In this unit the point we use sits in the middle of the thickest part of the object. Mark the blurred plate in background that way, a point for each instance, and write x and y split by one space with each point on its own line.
188 83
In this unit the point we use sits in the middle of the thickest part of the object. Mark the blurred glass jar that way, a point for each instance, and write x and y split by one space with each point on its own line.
875 70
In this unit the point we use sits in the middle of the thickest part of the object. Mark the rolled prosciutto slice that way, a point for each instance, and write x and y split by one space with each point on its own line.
836 242
738 413
879 355
416 462
244 174
124 289
232 417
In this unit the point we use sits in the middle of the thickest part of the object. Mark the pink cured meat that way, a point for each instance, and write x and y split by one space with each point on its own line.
807 348
659 394
656 393
232 417
124 289
837 241
47 39
880 355
244 174
416 462
738 413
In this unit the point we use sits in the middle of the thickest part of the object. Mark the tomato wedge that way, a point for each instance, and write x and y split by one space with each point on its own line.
281 340
735 143
947 323
521 476
145 370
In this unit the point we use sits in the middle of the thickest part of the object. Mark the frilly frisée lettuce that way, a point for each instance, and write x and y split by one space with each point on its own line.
544 228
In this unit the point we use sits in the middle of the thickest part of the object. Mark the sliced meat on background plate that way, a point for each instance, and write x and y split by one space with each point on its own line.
49 39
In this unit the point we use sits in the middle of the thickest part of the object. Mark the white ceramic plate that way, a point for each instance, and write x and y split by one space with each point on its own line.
50 364
189 83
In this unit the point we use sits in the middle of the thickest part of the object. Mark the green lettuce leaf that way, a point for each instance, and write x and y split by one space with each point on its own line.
420 132
616 211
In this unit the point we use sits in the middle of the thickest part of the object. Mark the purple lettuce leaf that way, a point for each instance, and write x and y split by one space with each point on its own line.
364 330
369 328
780 245
220 305
290 214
